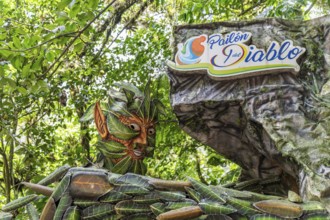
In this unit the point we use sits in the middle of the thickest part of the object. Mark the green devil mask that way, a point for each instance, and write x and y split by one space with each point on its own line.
126 124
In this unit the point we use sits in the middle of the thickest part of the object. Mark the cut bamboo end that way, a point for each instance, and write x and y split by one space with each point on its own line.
182 213
44 190
49 210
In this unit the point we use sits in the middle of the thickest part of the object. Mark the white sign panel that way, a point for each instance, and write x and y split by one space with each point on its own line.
225 56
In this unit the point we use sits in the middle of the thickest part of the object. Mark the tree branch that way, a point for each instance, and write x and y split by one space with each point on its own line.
35 121
310 7
251 8
127 25
39 45
117 18
72 41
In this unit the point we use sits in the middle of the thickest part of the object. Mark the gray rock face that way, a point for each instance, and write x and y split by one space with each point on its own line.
274 124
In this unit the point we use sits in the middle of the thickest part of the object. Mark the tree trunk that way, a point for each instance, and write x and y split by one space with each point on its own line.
7 177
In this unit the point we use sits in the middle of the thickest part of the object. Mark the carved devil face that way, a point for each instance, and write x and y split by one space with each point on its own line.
142 144
126 125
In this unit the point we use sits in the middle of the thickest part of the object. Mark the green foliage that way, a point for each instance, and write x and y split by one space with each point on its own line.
200 11
59 57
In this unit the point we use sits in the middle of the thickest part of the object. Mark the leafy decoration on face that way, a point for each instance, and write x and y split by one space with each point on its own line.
126 124
120 130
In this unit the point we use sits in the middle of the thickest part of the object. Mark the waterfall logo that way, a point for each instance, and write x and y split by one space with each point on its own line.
192 51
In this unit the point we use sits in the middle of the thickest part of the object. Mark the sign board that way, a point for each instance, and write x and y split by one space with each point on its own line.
230 56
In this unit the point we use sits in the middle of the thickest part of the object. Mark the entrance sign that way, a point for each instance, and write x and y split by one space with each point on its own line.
226 56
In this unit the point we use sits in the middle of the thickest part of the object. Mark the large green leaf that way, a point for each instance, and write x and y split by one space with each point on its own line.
122 166
32 212
313 206
89 114
265 217
114 196
132 190
171 196
6 216
118 129
215 208
111 146
54 176
118 107
158 208
63 205
98 211
205 191
180 204
61 188
72 213
193 194
243 207
130 87
149 198
18 203
84 203
130 207
133 179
